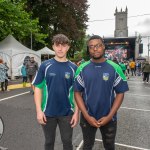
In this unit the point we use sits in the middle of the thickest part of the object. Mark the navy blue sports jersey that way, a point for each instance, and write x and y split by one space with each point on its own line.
98 83
56 81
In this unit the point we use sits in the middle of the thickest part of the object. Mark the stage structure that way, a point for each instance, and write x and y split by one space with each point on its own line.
122 46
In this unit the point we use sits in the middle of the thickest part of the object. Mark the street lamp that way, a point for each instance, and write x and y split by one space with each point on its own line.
31 40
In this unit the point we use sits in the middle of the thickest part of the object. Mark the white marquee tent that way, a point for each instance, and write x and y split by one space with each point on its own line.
46 50
13 53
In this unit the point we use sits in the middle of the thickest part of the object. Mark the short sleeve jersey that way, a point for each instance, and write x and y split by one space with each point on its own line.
56 81
98 83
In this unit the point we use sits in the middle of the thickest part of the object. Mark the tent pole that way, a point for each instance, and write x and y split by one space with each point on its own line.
11 69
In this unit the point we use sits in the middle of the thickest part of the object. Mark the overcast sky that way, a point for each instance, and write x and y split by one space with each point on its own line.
103 10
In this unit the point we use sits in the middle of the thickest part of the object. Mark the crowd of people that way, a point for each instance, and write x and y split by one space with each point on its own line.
136 68
28 72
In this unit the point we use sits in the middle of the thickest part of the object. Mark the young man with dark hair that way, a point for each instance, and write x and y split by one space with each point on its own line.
54 95
99 91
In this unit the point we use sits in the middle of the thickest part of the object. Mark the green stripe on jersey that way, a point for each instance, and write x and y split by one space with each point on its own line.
43 87
118 69
80 68
71 98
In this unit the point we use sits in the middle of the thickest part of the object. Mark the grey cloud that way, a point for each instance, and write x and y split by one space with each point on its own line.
145 23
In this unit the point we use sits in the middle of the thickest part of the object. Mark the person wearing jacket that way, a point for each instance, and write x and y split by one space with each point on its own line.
146 72
24 74
132 67
3 75
32 68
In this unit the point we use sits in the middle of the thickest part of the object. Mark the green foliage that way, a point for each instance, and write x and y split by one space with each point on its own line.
16 21
83 52
62 16
44 18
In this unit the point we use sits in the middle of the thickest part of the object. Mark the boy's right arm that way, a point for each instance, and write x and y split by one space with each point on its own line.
41 118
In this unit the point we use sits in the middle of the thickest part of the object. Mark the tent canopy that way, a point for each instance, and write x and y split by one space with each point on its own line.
13 53
46 50
11 47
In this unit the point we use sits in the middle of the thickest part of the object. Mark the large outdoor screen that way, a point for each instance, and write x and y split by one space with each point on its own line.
118 52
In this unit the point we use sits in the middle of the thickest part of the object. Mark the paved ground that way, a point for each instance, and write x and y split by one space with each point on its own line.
22 132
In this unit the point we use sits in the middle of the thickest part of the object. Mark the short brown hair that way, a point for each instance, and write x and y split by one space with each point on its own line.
60 39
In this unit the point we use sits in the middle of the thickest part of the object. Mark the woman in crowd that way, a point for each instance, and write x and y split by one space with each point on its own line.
3 75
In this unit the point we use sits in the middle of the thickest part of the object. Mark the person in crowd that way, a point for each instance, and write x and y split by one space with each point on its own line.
146 72
138 68
132 67
143 63
6 80
99 91
3 75
115 60
128 67
24 74
127 72
32 68
54 95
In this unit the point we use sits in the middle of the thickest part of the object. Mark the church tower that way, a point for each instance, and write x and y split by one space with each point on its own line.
121 28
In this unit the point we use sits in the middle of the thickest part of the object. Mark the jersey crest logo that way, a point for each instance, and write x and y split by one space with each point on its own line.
105 76
67 75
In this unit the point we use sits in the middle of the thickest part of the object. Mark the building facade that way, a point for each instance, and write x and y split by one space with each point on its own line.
121 21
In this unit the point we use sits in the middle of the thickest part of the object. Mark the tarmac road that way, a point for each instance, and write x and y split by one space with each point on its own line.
22 132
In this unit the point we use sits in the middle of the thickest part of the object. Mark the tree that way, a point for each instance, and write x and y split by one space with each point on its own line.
83 54
62 16
16 21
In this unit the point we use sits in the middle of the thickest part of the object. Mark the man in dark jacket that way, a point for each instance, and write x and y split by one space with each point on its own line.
32 67
146 72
